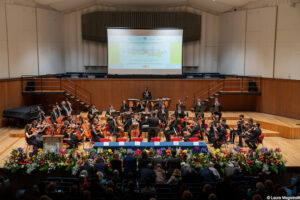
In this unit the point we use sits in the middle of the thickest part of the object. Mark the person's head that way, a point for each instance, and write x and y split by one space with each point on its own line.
212 196
224 120
28 127
146 88
149 166
176 173
83 174
257 124
260 186
281 191
163 106
257 197
63 103
241 116
86 194
216 100
207 188
187 195
124 102
51 187
100 175
250 120
54 108
111 106
158 166
116 155
199 99
116 173
268 184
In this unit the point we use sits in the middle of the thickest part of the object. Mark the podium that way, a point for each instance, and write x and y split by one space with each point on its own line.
51 143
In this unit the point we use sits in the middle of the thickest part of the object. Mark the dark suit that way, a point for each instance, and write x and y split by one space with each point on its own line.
101 167
194 131
216 109
153 127
173 129
147 95
129 163
179 114
253 138
147 173
163 115
64 111
199 109
141 107
124 108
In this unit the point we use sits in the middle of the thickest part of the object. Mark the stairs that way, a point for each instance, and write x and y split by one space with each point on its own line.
53 85
229 86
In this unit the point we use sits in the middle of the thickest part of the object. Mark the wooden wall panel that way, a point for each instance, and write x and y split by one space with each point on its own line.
113 91
11 96
280 97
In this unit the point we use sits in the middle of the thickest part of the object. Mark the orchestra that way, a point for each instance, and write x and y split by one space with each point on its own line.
132 121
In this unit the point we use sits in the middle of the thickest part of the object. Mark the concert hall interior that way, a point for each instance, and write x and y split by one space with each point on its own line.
129 99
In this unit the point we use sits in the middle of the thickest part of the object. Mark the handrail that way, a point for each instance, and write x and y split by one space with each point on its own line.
234 83
42 83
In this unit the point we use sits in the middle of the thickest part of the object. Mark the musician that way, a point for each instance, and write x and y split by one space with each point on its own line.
179 112
124 107
193 131
239 131
95 132
144 120
114 126
133 124
69 106
183 124
180 104
163 114
110 111
203 127
216 108
54 115
141 107
64 109
32 136
92 112
253 137
220 136
159 104
172 128
199 108
153 122
69 134
147 94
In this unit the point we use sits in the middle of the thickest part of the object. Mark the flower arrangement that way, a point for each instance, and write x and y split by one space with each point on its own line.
265 160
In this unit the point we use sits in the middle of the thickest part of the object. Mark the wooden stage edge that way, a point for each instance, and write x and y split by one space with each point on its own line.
280 132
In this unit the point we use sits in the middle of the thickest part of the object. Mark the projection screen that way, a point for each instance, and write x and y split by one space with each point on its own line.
144 51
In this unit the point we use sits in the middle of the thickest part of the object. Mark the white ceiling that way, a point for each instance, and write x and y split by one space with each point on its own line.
216 6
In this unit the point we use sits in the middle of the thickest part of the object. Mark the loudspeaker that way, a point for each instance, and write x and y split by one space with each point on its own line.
252 87
30 86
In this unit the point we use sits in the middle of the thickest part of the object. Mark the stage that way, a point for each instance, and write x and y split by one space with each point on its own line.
279 132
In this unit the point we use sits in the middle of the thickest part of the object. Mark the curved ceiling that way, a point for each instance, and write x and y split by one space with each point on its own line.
215 6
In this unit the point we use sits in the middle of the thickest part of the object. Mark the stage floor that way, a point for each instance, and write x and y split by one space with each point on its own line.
277 130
